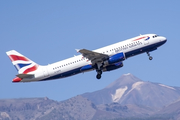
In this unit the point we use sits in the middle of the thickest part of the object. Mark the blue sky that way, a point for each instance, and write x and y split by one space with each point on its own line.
48 32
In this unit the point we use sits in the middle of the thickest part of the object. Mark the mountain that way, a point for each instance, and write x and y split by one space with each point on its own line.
127 98
25 108
76 108
172 111
129 89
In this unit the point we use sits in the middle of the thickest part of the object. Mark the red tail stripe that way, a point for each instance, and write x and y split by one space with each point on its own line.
30 69
15 57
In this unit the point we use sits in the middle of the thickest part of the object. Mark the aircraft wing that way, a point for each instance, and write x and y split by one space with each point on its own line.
95 57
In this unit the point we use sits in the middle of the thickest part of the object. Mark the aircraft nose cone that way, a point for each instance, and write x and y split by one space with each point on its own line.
163 40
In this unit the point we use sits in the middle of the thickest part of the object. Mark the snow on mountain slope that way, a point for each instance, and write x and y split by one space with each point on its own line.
136 85
118 94
167 86
129 89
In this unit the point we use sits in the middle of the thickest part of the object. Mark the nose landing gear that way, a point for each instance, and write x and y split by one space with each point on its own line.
150 57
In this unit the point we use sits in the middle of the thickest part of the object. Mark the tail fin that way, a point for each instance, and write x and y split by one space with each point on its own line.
22 63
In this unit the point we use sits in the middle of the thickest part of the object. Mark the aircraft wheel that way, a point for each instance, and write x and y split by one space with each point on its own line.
150 58
98 76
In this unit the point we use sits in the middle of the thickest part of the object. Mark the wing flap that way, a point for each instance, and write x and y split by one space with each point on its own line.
93 56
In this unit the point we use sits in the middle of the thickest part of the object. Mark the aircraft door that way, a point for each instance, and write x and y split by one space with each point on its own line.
45 71
146 42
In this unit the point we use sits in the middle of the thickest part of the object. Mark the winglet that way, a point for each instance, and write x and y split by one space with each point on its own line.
77 50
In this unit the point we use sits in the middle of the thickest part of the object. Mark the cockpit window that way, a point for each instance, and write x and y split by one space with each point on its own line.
155 36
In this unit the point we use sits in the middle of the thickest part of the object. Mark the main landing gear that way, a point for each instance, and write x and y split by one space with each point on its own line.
99 73
150 57
99 70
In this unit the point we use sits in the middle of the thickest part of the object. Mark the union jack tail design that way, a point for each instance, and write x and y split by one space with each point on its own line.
22 63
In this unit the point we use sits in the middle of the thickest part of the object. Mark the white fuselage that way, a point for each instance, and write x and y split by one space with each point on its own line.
72 66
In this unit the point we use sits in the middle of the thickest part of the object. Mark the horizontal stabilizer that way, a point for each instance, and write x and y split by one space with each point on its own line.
25 75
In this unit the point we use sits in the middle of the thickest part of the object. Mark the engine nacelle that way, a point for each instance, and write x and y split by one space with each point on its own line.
115 58
113 66
86 68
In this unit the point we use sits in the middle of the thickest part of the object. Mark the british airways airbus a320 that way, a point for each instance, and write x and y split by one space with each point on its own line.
104 59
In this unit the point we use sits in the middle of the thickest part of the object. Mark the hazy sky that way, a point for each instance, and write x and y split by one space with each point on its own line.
50 31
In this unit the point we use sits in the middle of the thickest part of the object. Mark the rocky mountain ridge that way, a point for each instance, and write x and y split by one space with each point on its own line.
126 98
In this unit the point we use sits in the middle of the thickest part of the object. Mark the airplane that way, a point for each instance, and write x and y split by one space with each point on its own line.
104 59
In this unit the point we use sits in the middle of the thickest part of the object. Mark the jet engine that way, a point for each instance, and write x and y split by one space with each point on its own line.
115 58
113 66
